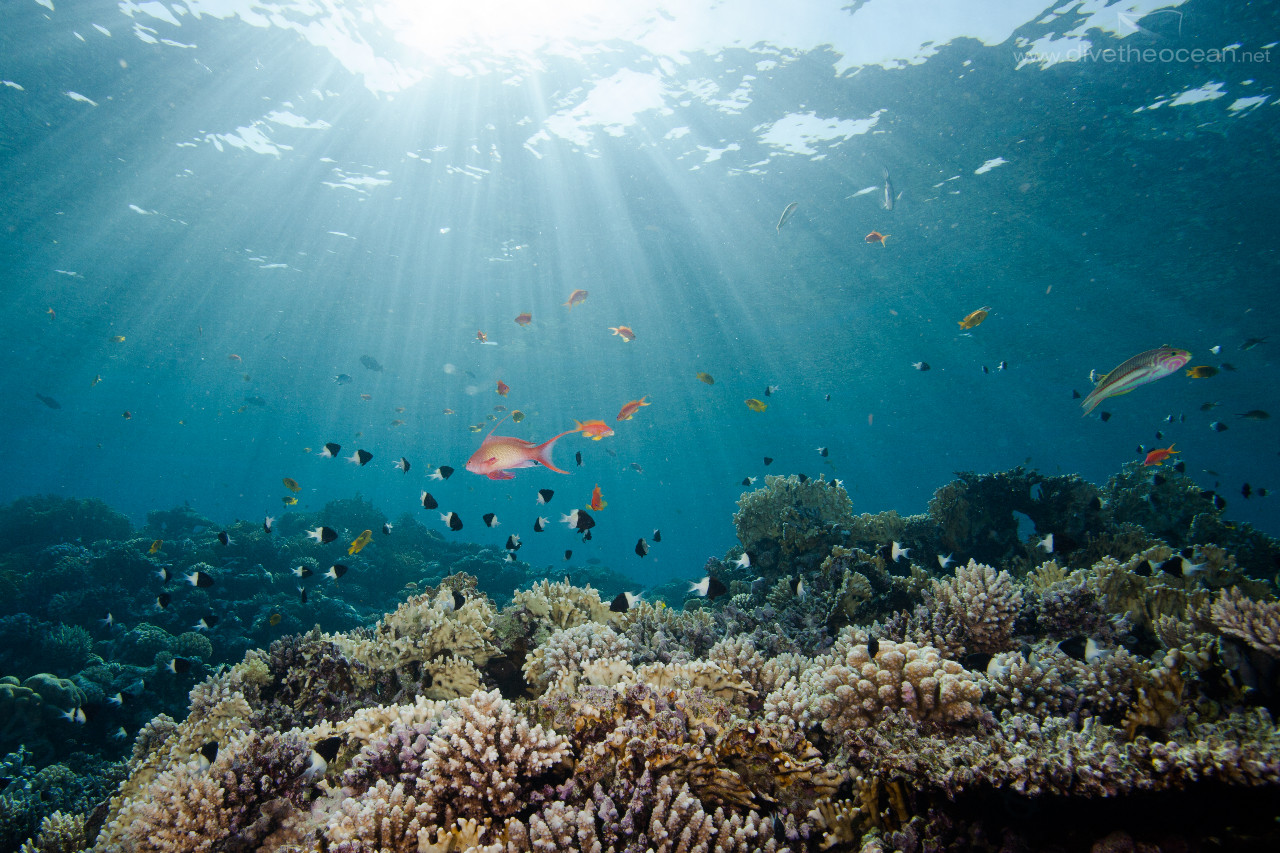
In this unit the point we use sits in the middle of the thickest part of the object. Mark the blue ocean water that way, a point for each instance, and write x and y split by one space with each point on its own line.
253 196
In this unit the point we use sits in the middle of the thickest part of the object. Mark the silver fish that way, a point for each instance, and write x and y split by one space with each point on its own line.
786 214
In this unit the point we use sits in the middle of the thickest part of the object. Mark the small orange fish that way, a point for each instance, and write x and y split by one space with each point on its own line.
974 318
481 336
576 297
291 484
597 501
623 332
631 408
595 430
877 237
524 319
756 405
234 357
1157 456
357 545
503 388
155 546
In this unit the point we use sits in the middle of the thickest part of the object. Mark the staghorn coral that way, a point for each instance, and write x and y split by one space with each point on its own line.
1255 622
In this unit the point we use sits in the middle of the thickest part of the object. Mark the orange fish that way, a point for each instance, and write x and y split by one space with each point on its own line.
576 297
503 388
481 337
597 502
524 319
595 430
498 455
1157 456
877 237
624 332
631 408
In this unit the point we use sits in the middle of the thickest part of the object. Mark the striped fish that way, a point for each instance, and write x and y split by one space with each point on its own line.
1142 368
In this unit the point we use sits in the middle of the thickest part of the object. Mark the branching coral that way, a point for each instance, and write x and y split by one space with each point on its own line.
569 649
1255 622
560 605
254 784
849 689
788 518
973 611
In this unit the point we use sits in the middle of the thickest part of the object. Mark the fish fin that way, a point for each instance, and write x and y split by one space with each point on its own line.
495 426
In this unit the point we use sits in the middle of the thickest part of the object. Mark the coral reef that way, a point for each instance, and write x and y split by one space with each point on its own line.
788 519
837 698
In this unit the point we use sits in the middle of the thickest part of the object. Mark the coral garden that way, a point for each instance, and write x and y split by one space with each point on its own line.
1034 664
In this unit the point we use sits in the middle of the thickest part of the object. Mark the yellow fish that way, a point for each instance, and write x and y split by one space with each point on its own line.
357 545
289 500
706 377
756 405
974 318
155 546
291 484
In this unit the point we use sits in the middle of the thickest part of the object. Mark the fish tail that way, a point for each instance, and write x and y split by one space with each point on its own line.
543 451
